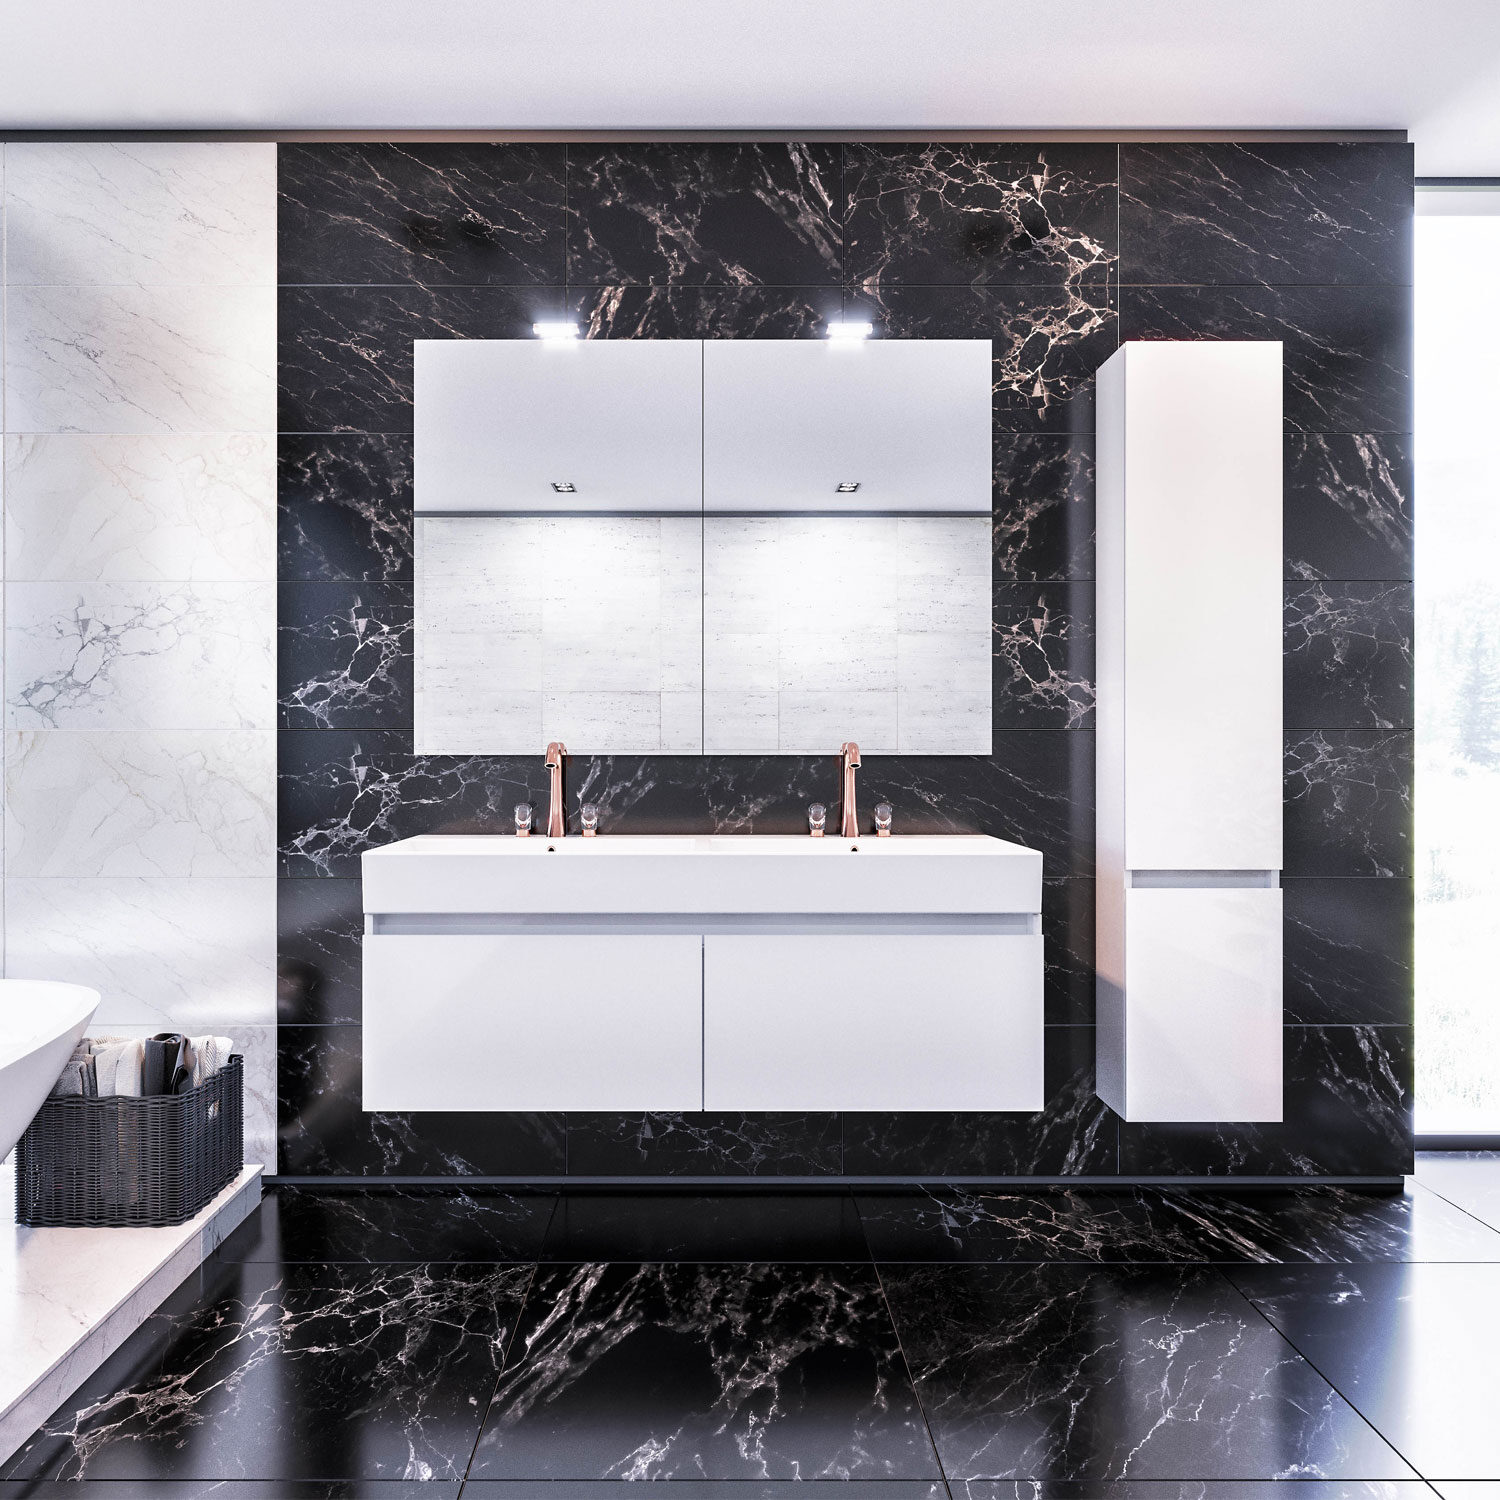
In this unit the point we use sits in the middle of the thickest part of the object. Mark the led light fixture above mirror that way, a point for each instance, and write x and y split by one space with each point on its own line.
854 328
558 330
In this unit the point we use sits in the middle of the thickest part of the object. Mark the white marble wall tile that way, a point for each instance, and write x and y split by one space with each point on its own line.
169 213
937 661
168 506
140 802
175 954
115 359
140 656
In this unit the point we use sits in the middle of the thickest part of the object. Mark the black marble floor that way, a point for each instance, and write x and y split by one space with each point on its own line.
1129 1344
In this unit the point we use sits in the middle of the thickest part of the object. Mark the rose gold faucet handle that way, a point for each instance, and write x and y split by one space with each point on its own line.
555 753
850 751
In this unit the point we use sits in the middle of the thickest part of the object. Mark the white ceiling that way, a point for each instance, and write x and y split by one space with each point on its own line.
1428 66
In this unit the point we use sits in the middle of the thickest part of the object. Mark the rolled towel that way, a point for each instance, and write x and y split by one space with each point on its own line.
163 1055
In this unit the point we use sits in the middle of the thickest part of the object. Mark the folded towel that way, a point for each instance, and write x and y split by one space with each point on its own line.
208 1054
70 1081
118 1063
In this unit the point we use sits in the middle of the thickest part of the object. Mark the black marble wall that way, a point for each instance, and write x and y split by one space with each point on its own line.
1056 253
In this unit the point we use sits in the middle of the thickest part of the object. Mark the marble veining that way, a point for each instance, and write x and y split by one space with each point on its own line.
1314 213
138 656
739 1372
197 955
126 359
392 1226
1044 506
157 213
951 212
1048 342
1018 243
1348 506
1348 950
345 356
1348 802
159 507
344 656
1160 1372
704 215
319 926
345 507
1409 1343
1347 350
1043 649
139 802
739 1145
1347 654
1132 1225
1074 1134
472 215
416 1342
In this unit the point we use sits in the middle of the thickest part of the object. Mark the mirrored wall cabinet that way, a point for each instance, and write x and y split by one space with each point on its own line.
1188 744
687 546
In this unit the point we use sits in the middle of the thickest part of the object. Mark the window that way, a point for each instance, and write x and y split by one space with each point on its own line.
1458 660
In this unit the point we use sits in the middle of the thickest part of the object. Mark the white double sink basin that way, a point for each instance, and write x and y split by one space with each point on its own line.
721 874
737 973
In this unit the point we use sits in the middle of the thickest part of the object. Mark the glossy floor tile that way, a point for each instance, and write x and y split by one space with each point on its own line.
1125 1225
392 1225
1411 1346
705 1372
1087 1373
1154 1343
364 1372
1469 1179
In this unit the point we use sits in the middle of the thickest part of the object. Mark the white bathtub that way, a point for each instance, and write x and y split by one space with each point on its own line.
40 1024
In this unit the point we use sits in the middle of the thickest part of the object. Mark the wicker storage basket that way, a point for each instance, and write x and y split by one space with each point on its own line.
120 1161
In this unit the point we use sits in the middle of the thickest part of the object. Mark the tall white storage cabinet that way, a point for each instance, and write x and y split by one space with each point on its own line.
1189 731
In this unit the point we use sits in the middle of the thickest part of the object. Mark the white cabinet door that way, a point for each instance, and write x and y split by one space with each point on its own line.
1203 1024
873 1022
787 421
502 1022
499 422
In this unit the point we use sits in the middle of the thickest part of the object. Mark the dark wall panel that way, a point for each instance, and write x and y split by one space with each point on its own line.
1053 252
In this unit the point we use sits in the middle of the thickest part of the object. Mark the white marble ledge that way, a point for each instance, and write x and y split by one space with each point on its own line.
70 1297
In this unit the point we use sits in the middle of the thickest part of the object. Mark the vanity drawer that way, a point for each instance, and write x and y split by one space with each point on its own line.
533 1022
859 1021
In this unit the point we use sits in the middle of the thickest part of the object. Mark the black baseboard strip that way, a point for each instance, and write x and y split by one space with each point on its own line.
832 1184
1486 1141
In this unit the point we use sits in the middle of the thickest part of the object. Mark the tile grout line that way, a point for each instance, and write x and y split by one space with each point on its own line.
905 1362
1285 1338
504 1362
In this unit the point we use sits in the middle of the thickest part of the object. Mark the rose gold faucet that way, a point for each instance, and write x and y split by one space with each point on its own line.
557 753
850 753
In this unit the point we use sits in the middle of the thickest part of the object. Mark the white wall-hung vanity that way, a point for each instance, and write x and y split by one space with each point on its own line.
740 973
1189 743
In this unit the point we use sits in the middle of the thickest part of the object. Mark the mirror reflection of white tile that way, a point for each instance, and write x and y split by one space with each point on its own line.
586 629
822 629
